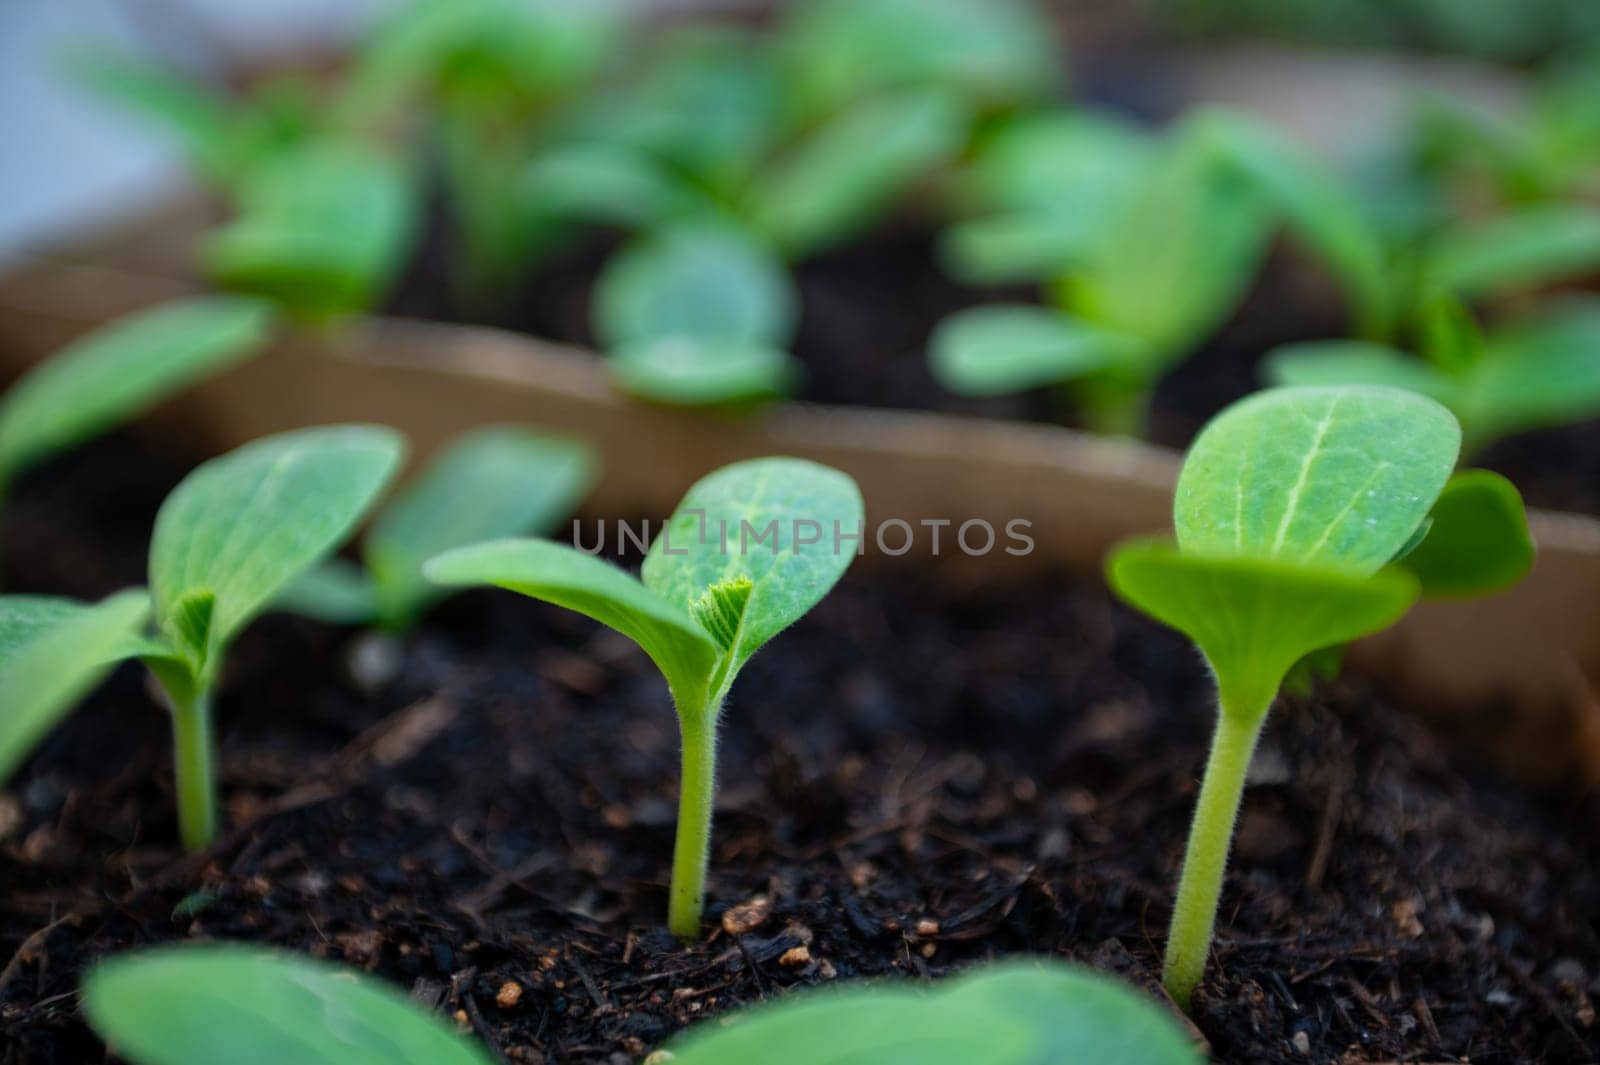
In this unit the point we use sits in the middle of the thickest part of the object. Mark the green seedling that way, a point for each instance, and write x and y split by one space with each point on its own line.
211 1003
228 540
121 370
322 229
491 483
1289 509
750 549
1026 1012
1167 268
1539 371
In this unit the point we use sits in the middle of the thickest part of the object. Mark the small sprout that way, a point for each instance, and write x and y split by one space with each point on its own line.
53 652
1290 506
121 370
1539 371
750 549
698 314
210 1003
1164 272
1011 1013
490 483
227 541
321 229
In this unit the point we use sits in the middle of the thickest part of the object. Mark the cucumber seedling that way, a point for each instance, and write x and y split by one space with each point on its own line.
199 1004
1021 1012
749 550
227 541
490 483
1289 509
121 370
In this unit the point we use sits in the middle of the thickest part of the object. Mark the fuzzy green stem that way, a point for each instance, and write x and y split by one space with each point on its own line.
1210 836
196 782
692 848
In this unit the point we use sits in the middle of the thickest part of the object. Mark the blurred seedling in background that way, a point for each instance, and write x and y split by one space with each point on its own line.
488 484
1291 510
210 1003
1152 245
227 541
738 154
120 371
749 550
1020 1012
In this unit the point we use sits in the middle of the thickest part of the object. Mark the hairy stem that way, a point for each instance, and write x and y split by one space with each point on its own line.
1210 836
196 783
692 848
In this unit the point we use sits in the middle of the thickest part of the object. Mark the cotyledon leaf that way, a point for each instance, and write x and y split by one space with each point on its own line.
214 1003
1334 477
789 526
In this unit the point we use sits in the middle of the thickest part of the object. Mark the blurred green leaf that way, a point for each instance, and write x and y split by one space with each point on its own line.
322 229
1000 348
1478 543
704 281
853 168
210 1003
121 370
1540 371
1357 362
52 653
685 371
1521 249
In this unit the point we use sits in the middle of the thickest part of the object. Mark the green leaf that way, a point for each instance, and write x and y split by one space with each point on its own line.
337 592
321 229
1450 337
838 51
1522 249
562 575
1542 371
1180 256
190 1005
491 483
1068 161
876 1026
1318 208
705 281
1479 541
685 371
605 184
778 522
1334 478
853 169
198 115
1255 618
1079 1016
243 526
1018 246
52 653
122 369
1030 1012
998 349
1325 363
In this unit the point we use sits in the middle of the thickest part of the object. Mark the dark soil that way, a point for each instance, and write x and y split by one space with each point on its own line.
869 309
916 777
